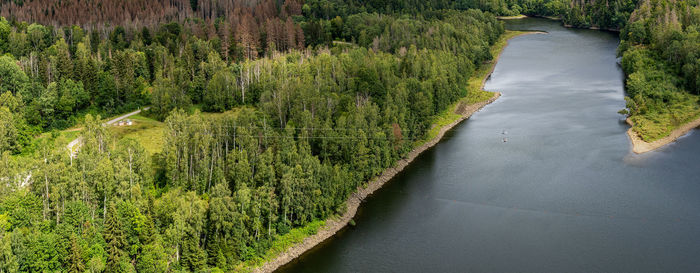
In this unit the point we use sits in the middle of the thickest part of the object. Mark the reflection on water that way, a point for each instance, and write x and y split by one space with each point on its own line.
563 194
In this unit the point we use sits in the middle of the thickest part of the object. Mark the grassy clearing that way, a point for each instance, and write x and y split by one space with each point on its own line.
147 131
63 137
281 244
52 139
150 133
652 126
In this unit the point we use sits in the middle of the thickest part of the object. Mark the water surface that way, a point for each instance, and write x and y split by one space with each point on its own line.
563 194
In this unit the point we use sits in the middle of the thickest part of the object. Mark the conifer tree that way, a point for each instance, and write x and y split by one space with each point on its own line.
75 257
116 240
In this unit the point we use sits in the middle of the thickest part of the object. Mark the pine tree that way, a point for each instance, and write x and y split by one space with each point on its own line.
116 241
193 256
8 260
75 256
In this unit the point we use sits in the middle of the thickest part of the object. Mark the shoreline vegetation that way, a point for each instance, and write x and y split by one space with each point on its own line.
555 18
661 72
639 146
521 16
460 111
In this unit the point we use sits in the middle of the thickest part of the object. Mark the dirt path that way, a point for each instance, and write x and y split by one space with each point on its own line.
79 140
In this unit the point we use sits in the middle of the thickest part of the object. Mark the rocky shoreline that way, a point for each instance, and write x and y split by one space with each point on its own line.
353 203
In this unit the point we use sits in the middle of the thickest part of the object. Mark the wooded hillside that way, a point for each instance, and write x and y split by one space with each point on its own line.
301 130
660 51
138 13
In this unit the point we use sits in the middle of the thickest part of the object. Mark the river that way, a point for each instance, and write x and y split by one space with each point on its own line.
563 194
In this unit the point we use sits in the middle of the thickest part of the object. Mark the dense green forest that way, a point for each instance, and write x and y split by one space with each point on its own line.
309 125
660 51
605 14
316 98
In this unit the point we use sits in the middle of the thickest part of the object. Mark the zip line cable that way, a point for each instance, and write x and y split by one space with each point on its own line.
284 128
311 137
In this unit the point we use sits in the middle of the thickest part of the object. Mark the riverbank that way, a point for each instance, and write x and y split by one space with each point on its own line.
521 16
353 203
461 110
555 18
640 146
593 28
500 45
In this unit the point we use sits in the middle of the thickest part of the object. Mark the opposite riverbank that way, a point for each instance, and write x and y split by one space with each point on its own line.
446 121
556 18
640 146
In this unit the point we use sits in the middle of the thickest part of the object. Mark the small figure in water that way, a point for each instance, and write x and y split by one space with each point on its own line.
505 139
504 132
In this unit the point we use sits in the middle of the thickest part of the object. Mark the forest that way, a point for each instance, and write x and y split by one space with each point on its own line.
660 51
302 124
274 112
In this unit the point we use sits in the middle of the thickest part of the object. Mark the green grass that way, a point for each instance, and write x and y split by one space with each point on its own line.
54 139
65 137
281 244
61 138
441 120
652 126
475 93
148 132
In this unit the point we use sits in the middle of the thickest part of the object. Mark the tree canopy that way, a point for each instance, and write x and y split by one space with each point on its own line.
309 124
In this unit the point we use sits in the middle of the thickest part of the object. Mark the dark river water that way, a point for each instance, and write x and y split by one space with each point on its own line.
563 194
